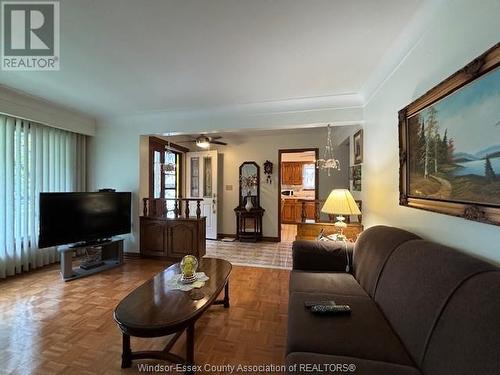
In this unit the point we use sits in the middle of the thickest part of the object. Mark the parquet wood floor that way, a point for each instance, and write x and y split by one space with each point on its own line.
51 327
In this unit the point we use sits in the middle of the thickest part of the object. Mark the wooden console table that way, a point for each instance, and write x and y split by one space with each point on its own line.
254 216
310 231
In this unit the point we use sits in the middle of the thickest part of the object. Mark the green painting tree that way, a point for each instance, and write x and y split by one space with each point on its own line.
431 142
489 173
422 148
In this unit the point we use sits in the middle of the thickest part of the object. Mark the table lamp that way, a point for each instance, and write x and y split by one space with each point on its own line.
340 202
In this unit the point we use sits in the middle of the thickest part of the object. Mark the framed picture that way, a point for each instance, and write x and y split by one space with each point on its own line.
449 143
358 147
356 177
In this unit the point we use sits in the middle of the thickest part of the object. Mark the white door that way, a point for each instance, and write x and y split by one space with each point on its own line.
201 182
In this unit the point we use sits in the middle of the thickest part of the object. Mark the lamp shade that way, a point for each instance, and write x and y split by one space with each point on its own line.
340 202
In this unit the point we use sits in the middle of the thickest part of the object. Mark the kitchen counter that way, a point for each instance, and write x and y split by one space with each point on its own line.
297 198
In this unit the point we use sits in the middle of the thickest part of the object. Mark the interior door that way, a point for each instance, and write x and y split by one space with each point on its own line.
202 182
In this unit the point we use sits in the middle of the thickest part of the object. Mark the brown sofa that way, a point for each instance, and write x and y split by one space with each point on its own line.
417 308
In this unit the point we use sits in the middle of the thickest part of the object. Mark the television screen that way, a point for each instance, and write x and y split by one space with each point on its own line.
67 218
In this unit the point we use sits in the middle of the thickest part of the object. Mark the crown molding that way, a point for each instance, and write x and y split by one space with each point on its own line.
21 105
401 48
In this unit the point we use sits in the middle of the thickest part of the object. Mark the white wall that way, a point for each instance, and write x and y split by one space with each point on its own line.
458 31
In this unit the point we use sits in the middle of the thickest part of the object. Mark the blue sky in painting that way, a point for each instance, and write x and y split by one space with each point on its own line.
472 114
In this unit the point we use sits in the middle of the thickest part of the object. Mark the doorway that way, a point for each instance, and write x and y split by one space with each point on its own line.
298 189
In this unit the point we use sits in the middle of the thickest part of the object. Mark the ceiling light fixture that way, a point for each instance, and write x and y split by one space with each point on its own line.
203 142
328 161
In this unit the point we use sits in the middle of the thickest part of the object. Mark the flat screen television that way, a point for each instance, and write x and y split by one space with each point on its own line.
68 218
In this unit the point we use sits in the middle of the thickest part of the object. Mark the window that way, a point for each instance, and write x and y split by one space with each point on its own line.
165 168
195 174
207 177
309 176
33 158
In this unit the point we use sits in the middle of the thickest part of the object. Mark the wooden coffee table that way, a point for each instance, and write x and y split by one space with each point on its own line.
153 311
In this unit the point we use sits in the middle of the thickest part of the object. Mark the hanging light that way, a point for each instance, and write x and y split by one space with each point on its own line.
168 167
328 161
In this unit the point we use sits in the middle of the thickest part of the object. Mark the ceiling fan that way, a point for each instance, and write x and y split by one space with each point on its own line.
204 141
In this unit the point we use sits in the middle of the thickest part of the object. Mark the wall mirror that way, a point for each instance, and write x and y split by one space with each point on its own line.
249 184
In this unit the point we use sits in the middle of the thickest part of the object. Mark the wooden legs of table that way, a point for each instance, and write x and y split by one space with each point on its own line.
128 355
226 295
224 301
126 352
190 346
164 355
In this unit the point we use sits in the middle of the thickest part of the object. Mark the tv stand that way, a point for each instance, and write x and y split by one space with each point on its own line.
111 256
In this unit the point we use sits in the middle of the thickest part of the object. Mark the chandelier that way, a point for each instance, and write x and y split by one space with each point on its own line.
168 166
328 161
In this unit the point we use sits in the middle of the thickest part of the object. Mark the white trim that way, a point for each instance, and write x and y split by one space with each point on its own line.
20 105
401 48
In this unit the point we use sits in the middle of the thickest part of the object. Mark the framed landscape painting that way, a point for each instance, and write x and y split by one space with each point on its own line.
450 144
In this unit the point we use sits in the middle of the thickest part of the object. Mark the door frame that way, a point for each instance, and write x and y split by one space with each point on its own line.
316 187
156 144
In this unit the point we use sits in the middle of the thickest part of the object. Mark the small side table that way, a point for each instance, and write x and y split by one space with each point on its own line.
243 217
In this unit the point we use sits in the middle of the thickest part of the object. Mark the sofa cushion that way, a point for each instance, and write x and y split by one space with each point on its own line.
415 285
323 282
365 333
296 362
371 251
466 339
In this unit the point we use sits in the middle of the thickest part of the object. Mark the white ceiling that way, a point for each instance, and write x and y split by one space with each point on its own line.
128 56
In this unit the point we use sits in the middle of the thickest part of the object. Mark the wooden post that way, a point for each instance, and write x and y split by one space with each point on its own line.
145 206
198 209
176 208
186 210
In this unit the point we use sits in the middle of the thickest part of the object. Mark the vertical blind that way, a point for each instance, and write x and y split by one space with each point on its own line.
33 158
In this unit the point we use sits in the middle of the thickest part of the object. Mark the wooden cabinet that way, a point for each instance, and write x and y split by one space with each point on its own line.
291 210
288 208
172 238
291 173
310 208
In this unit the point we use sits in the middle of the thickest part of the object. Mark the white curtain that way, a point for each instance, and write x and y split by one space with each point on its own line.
33 158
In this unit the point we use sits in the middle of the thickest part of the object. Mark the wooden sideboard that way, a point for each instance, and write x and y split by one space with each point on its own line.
311 231
172 238
168 235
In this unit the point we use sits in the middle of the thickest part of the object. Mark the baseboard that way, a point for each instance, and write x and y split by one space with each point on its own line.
270 239
265 239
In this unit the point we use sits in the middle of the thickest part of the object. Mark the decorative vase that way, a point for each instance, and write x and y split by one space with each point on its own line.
189 265
249 205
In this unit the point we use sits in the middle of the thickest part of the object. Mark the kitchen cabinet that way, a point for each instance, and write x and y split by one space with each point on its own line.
291 173
291 210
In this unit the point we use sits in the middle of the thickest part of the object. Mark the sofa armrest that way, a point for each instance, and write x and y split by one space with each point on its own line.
321 255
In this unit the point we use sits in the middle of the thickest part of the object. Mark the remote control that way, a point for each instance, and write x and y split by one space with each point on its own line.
309 304
326 309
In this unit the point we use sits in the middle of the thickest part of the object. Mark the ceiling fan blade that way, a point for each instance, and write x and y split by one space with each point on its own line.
218 143
216 137
190 141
